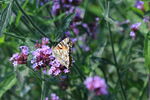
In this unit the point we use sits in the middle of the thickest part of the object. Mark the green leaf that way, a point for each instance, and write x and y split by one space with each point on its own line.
64 25
20 13
147 50
2 39
5 17
96 10
7 83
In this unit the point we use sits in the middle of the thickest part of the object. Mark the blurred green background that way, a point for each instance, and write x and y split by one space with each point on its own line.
20 27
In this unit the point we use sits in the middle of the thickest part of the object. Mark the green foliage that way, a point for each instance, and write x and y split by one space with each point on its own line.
113 54
7 83
147 50
5 17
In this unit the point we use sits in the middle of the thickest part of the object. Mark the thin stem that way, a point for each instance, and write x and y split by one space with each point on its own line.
18 37
43 88
80 73
115 60
148 86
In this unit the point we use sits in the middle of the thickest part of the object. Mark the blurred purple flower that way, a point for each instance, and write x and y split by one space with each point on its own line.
146 19
139 4
20 58
72 2
56 8
24 50
45 41
53 96
96 84
86 48
135 27
132 34
42 2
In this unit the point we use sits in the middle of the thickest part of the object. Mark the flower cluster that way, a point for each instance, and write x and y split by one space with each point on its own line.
64 5
71 6
97 85
53 97
134 28
42 58
20 58
140 5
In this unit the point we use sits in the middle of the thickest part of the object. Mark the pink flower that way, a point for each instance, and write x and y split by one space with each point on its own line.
97 85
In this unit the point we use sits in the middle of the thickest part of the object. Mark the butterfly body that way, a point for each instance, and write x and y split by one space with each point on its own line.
62 52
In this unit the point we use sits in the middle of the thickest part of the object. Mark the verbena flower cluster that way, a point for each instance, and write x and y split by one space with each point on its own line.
42 58
20 58
72 6
97 85
53 96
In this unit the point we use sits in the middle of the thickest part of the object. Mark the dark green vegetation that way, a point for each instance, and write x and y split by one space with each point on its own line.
113 54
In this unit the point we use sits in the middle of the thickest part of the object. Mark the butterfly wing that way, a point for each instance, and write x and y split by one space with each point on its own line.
62 52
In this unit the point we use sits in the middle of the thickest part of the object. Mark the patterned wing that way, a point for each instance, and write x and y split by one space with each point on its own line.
62 52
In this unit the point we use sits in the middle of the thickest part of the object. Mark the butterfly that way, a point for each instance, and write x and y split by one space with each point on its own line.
62 52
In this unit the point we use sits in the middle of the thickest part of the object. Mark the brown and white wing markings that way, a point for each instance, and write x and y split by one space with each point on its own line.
62 52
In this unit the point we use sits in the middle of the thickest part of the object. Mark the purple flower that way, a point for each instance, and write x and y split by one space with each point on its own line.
79 14
45 60
96 84
139 4
132 34
41 57
20 58
45 41
135 27
24 50
53 96
57 68
146 19
56 8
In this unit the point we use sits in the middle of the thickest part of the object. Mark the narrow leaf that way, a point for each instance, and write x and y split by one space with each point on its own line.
7 83
5 17
147 50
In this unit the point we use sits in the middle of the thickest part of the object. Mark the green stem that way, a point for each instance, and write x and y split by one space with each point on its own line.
148 86
80 73
43 89
36 27
115 60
